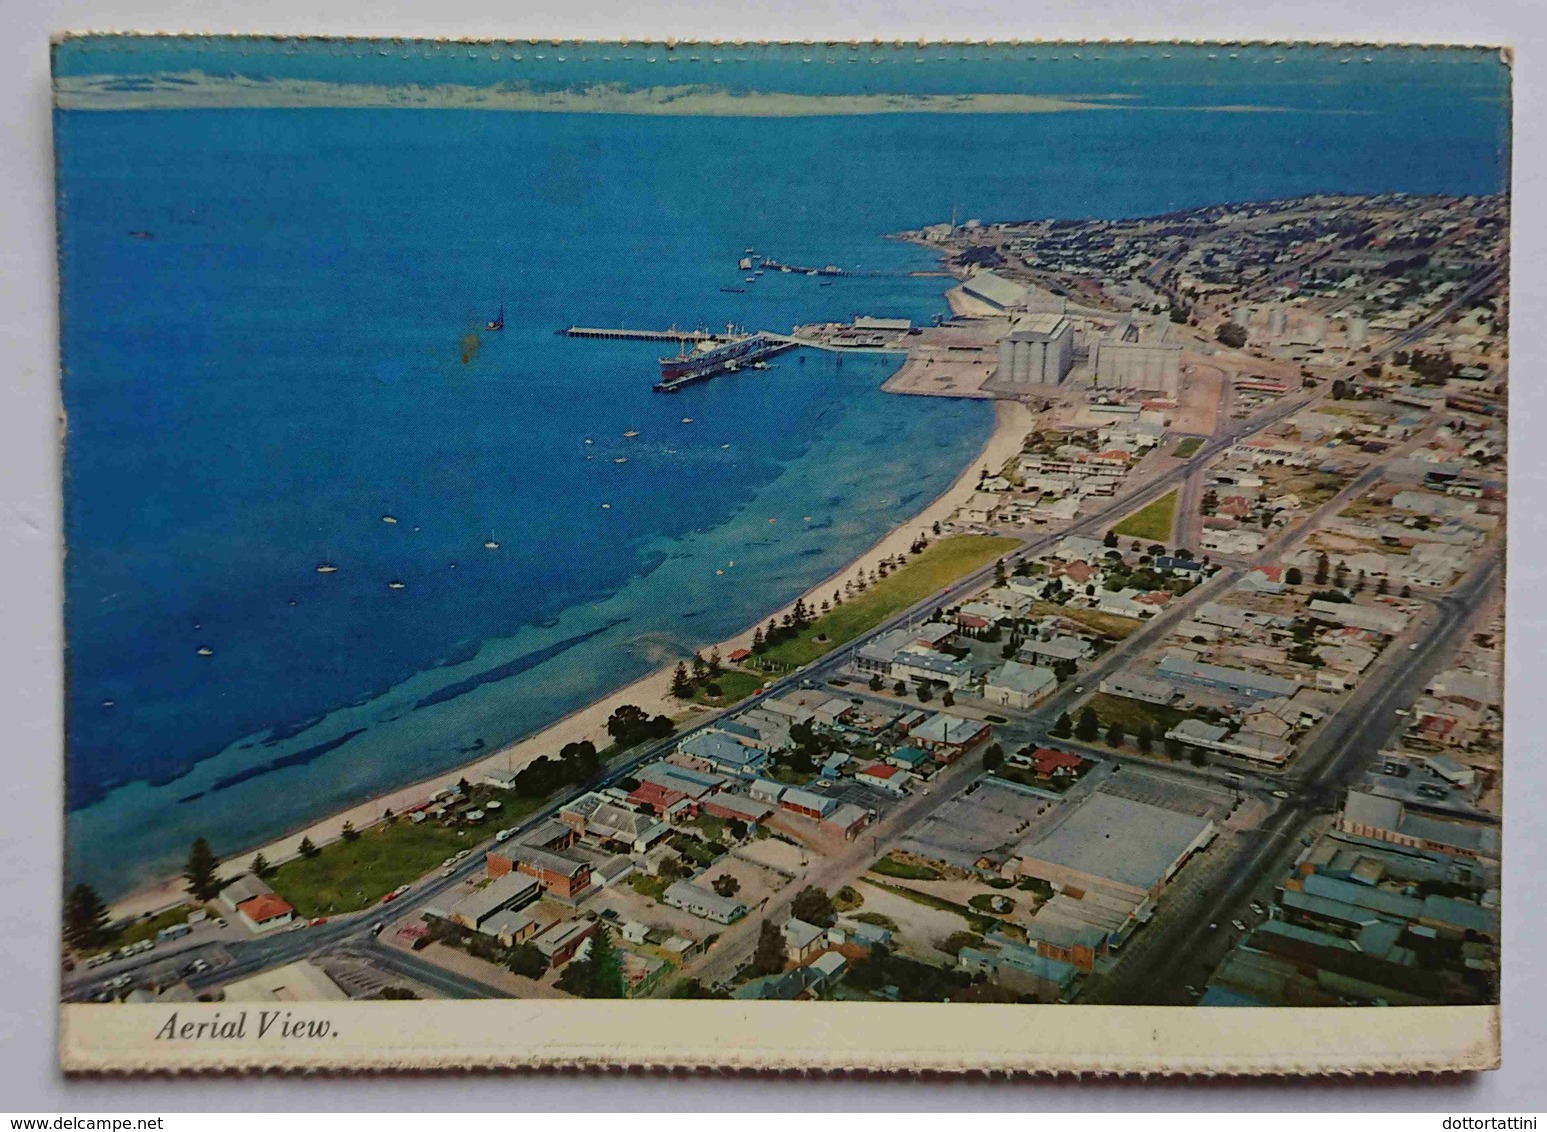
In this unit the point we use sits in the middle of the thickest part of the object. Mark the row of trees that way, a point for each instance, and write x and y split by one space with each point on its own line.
685 682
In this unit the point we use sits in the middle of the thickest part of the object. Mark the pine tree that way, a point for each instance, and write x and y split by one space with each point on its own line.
716 662
348 833
307 849
700 668
1064 727
681 685
1115 735
757 640
837 599
260 866
199 872
769 957
85 918
1089 726
1145 738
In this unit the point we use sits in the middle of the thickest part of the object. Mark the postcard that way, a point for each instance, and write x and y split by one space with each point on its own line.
920 557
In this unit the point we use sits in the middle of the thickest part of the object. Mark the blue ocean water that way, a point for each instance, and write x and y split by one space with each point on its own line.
292 349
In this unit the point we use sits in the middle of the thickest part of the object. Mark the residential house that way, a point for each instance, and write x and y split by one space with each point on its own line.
802 940
703 903
884 776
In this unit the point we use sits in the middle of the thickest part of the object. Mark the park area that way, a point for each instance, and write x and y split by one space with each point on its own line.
1153 521
932 569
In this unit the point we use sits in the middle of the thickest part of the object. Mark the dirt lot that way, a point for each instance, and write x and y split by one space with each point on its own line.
918 927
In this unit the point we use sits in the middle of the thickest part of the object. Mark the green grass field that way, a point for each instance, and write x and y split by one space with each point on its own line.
349 875
938 566
1152 521
735 684
1187 447
1131 713
1112 625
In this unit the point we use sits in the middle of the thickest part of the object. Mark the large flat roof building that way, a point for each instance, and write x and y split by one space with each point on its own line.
1117 843
995 290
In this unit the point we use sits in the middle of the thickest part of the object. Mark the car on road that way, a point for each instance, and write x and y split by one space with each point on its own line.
317 921
376 927
1413 647
1078 688
925 790
199 965
448 862
856 699
1281 793
1238 925
503 836
448 872
1213 927
388 898
462 853
1403 711
1257 908
400 889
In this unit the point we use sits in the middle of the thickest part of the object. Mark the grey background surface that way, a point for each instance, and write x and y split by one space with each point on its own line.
30 647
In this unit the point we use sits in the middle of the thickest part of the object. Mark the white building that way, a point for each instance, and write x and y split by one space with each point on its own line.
1039 351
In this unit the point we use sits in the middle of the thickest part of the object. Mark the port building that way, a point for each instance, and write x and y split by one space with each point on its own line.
995 290
1038 351
1137 355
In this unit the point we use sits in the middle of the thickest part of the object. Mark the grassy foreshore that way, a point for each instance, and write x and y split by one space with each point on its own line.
652 693
937 567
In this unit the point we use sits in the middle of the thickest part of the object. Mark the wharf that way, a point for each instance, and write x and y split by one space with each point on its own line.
671 334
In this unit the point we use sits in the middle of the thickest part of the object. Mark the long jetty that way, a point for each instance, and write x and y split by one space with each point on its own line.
672 334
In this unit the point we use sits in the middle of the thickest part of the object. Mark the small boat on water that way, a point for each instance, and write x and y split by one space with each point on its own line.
761 365
497 323
388 519
588 440
621 460
491 544
327 568
750 279
206 651
687 420
109 703
396 586
606 506
733 290
631 433
725 446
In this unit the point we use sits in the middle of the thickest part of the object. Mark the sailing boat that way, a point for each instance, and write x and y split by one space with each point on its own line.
498 323
491 544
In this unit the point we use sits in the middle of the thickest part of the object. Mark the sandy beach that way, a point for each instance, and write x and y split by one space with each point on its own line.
1012 421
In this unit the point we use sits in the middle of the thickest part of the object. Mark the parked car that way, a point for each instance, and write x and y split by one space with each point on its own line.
1238 925
1281 793
317 921
400 889
447 873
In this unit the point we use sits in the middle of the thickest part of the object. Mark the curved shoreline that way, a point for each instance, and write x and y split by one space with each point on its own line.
651 692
